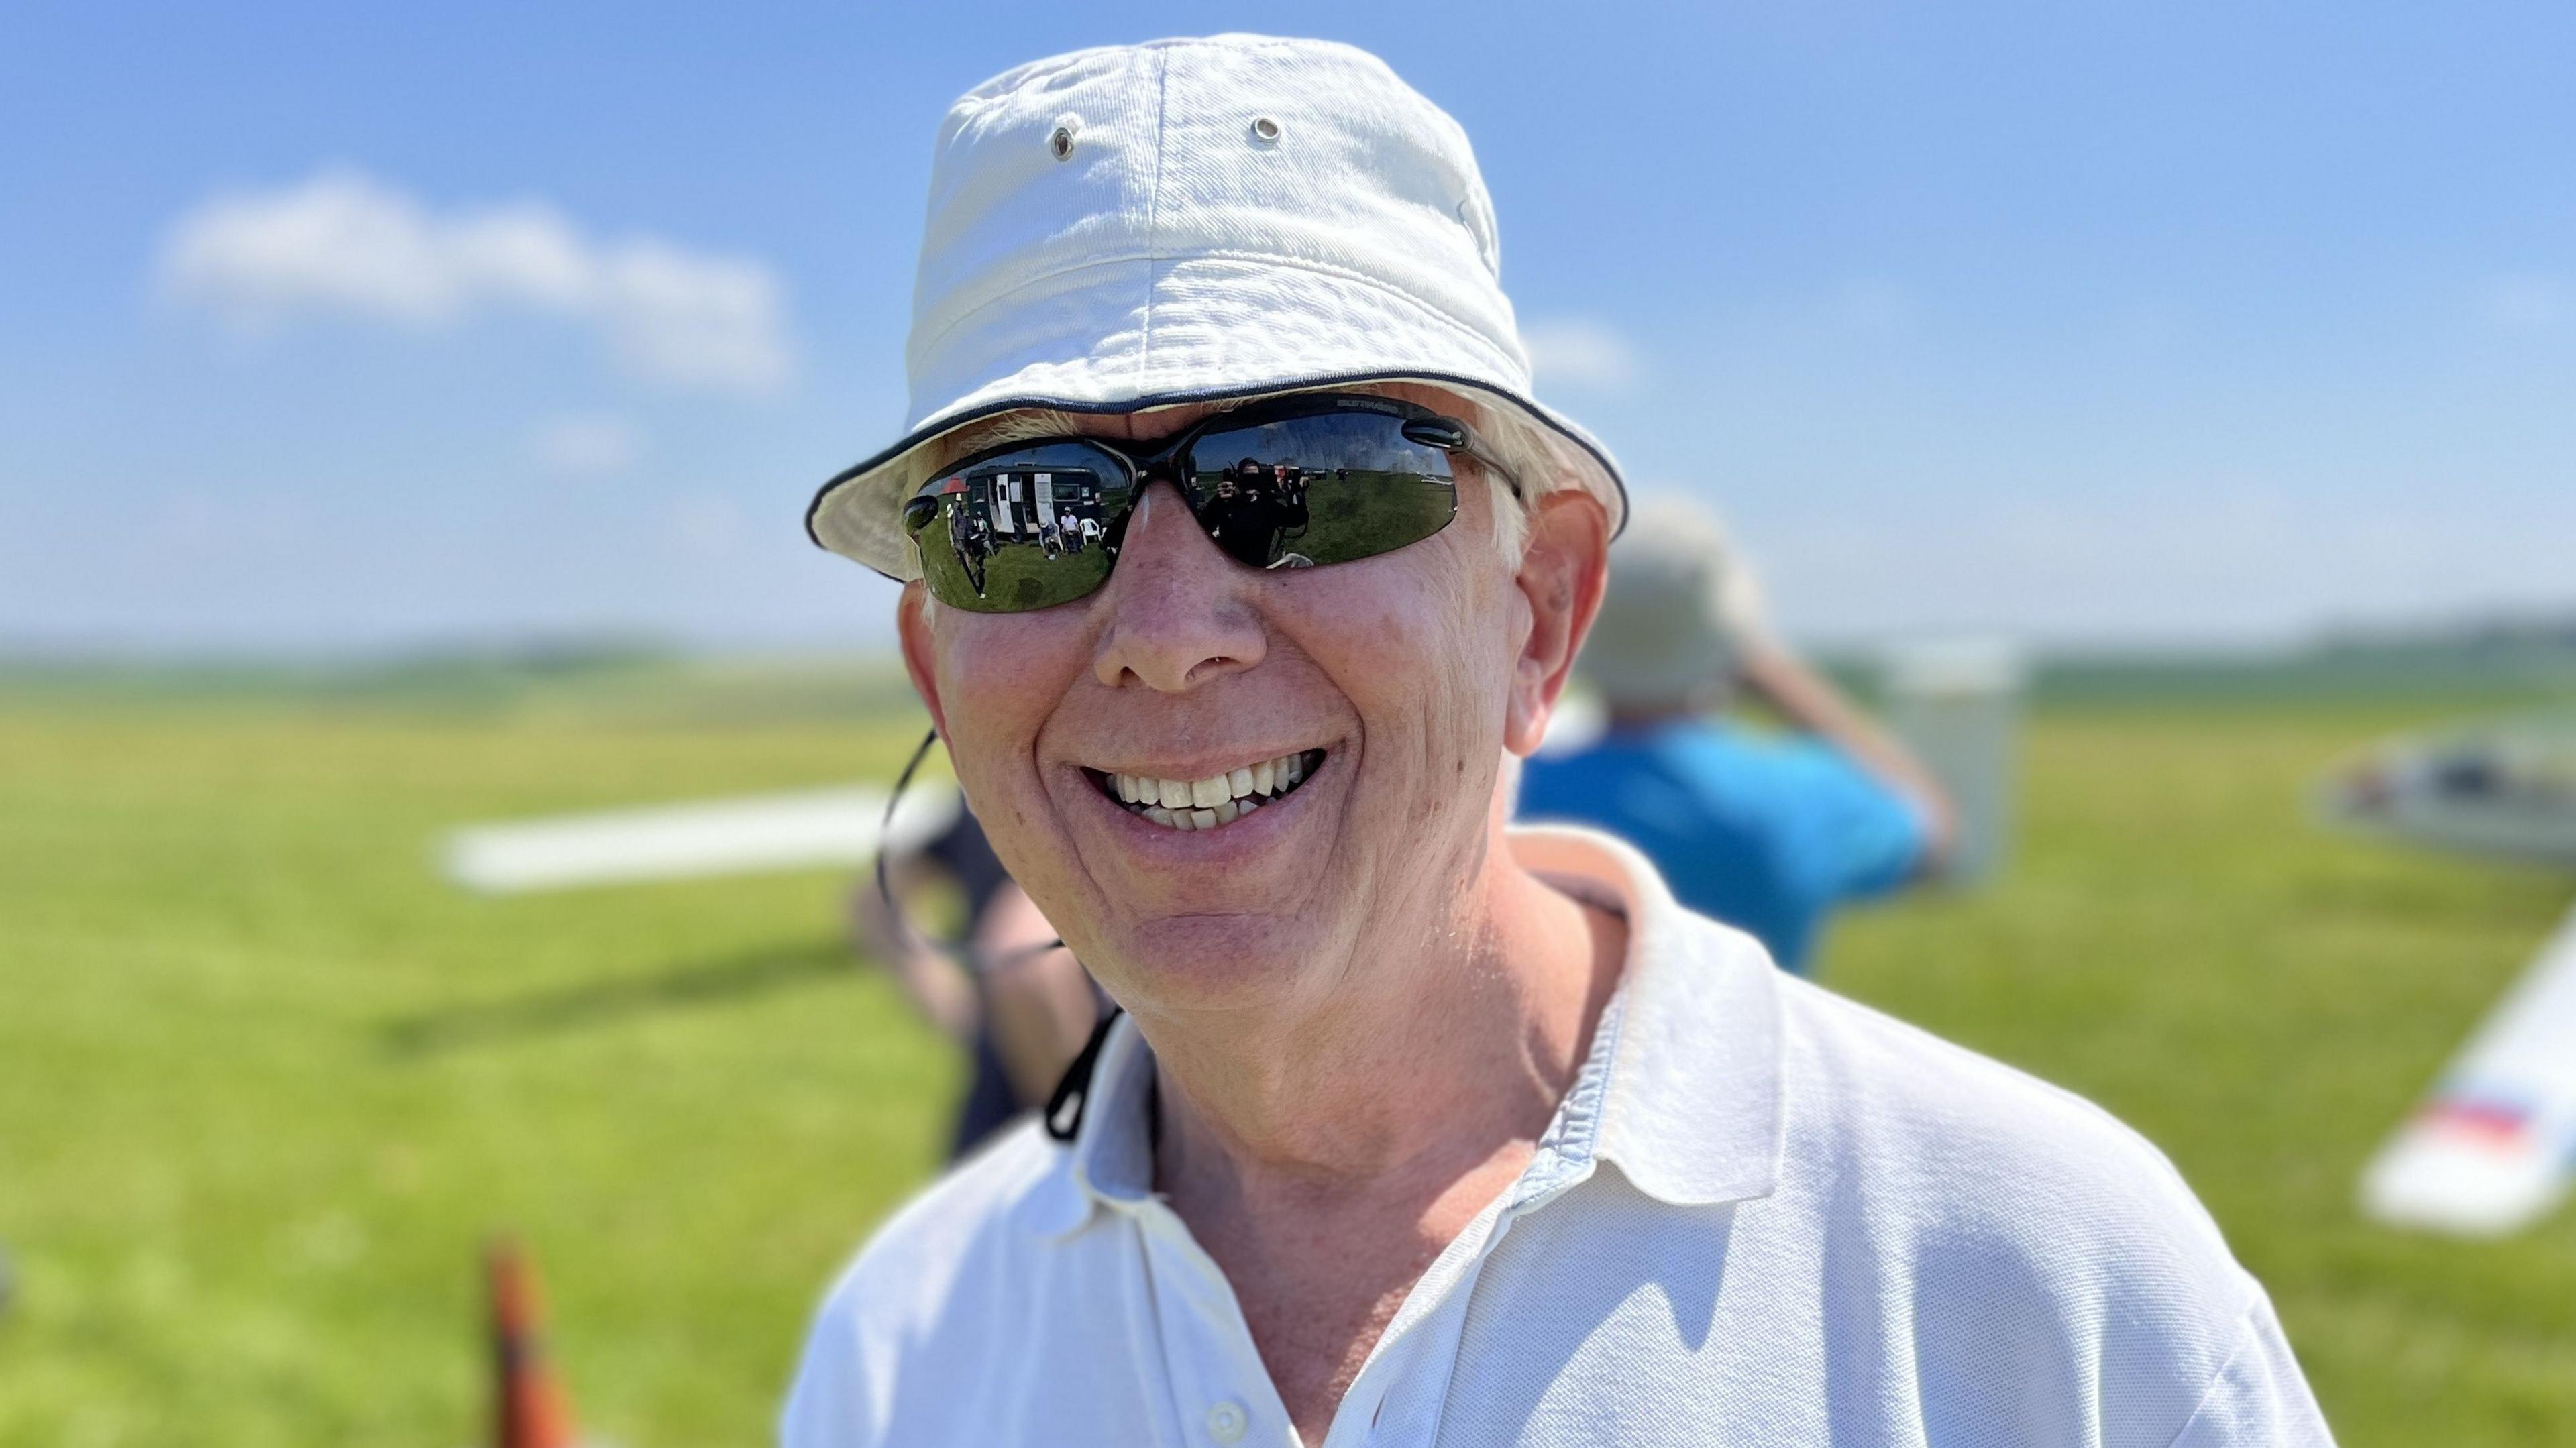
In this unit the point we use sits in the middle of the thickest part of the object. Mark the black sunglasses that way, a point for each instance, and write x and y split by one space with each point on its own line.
1299 482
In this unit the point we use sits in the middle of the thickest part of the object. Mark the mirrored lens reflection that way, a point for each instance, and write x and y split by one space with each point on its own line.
1305 491
1028 529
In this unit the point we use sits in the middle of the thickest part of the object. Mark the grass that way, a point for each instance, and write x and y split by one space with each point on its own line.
2265 1002
265 1083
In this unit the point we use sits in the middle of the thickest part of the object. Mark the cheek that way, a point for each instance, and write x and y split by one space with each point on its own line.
1416 643
1000 676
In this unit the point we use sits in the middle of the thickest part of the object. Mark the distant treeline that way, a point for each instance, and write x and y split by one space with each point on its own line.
597 679
2490 660
594 680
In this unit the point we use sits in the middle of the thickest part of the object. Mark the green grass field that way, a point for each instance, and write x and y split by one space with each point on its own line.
265 1083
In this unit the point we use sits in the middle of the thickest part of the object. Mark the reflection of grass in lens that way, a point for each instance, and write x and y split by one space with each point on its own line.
1363 514
1018 577
947 576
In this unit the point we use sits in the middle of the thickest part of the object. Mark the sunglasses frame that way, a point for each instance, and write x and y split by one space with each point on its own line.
1152 460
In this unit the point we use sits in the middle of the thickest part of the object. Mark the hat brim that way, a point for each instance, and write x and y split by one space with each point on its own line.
858 512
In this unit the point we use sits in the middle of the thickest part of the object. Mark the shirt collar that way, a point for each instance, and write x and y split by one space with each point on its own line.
1681 1091
1690 1104
1110 1161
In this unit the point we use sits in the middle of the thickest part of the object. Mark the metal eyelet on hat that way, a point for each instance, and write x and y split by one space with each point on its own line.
1265 130
1060 141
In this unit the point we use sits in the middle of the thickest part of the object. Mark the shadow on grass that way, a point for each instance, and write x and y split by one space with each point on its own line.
609 1002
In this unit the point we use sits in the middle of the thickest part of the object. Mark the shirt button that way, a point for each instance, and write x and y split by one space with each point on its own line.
1225 1422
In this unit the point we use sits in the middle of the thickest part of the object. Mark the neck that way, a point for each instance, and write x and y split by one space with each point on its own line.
1432 1056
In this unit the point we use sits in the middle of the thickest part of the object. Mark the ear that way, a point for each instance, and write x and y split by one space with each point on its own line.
912 628
1562 574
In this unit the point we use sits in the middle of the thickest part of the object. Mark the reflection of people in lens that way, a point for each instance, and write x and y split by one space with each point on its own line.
1240 515
1070 531
970 537
961 541
1288 504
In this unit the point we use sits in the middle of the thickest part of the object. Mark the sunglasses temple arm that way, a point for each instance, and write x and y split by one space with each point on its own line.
1475 448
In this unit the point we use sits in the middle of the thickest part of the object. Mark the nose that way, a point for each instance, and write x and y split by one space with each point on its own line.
1180 612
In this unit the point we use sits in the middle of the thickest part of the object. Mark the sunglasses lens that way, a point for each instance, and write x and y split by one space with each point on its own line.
1022 530
1330 487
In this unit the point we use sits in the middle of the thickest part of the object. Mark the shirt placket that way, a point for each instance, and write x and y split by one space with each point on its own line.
1221 1394
1403 1389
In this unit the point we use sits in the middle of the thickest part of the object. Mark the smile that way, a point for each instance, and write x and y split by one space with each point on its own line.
1204 804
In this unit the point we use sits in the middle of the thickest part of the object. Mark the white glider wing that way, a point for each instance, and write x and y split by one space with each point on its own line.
802 830
2491 1149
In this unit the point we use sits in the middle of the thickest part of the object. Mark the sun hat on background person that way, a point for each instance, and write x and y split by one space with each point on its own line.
1680 610
1329 228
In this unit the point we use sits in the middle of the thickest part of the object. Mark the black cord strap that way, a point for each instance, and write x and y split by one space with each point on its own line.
885 831
1071 1097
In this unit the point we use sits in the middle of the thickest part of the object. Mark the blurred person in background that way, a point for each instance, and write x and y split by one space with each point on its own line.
1005 989
1765 831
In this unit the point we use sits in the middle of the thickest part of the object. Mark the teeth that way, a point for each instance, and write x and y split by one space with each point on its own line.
1219 799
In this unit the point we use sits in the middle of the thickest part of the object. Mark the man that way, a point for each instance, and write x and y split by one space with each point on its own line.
1417 1130
1763 832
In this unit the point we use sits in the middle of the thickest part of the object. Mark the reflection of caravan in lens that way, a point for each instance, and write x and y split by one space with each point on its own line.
1057 511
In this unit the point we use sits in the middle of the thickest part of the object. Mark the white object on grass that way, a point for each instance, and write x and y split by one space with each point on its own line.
806 829
1957 704
2490 1150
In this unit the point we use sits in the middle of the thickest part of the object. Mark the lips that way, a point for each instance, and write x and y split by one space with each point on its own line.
1217 800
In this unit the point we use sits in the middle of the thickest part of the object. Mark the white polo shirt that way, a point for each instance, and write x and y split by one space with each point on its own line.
1762 1215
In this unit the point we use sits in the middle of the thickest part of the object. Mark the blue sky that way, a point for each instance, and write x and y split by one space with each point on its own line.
2096 321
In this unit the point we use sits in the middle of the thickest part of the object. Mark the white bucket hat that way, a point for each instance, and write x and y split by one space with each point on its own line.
1200 220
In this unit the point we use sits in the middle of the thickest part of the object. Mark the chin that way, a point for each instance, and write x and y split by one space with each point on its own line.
1207 962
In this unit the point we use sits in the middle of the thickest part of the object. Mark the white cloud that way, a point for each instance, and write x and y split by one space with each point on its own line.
1580 352
588 445
344 243
2527 303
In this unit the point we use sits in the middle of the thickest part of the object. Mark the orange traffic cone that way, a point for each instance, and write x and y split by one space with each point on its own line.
529 1408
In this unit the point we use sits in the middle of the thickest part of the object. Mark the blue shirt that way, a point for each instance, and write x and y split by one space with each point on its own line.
1765 833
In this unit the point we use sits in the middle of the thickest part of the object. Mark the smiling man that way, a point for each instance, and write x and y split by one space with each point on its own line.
1417 1128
